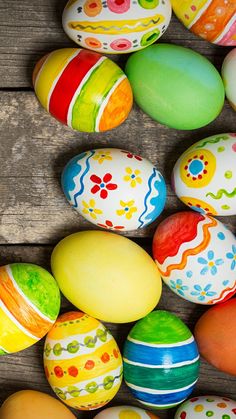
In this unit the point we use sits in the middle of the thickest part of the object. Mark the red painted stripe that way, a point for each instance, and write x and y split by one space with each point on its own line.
69 82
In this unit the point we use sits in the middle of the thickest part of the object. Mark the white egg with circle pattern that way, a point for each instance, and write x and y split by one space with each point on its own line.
207 407
114 189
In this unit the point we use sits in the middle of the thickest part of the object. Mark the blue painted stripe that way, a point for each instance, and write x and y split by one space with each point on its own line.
159 356
161 399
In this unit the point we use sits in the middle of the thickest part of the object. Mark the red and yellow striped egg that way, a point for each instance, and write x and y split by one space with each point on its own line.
213 20
82 361
83 89
29 305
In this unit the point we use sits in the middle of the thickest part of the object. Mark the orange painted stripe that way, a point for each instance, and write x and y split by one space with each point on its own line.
211 24
191 252
226 294
18 307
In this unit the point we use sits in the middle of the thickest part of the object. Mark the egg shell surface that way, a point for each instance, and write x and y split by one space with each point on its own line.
204 177
114 26
161 360
125 412
207 406
195 254
215 334
30 404
106 275
213 20
176 86
228 72
82 361
30 303
82 89
114 189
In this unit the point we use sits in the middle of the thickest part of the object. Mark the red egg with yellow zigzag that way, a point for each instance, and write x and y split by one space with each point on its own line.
83 89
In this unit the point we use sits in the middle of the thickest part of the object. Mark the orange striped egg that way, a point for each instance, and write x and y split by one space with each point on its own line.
29 305
82 361
213 20
83 89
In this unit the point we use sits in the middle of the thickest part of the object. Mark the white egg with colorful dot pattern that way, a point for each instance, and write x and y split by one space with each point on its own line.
207 407
125 412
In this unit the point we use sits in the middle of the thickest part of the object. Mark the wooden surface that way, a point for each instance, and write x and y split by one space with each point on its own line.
34 148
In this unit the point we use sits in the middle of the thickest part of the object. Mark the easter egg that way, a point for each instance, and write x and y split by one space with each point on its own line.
30 303
176 86
215 334
116 26
204 177
207 406
31 404
125 412
161 360
114 189
199 263
82 361
213 20
98 270
228 72
82 89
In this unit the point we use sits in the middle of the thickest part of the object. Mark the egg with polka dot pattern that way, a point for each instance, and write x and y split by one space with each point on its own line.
82 361
204 176
207 407
125 412
213 20
116 26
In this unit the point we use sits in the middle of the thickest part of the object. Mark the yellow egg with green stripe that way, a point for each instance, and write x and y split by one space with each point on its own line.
83 89
82 361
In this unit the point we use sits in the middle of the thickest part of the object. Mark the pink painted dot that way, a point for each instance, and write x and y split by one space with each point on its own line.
234 147
193 8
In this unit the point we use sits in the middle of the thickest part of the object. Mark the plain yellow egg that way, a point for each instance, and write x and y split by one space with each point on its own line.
106 276
30 404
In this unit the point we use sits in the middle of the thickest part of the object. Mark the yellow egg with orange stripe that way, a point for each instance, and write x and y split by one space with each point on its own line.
83 89
82 361
29 305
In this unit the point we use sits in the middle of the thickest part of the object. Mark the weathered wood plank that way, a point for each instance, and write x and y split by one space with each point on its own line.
31 28
24 370
35 148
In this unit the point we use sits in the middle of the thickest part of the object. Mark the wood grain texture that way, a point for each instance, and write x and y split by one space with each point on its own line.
25 369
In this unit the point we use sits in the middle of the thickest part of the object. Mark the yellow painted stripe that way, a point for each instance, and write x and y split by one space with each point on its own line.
184 12
50 70
73 327
12 339
101 396
108 27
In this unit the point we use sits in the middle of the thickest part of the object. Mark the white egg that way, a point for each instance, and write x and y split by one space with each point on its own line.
125 412
116 26
228 73
207 407
204 177
114 189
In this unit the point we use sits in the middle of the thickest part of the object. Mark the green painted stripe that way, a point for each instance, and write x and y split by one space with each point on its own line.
162 379
161 327
93 94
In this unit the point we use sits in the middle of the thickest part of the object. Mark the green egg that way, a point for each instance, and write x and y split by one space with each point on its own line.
176 86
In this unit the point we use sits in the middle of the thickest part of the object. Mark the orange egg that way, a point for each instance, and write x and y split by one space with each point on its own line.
30 404
215 333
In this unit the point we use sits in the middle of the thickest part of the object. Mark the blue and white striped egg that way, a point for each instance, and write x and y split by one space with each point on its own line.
114 189
161 360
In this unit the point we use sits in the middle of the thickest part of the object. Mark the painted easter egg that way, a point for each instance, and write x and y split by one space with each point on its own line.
207 406
114 189
204 177
116 26
213 20
228 73
97 270
161 360
176 86
199 265
82 89
82 361
30 303
32 404
125 412
215 334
